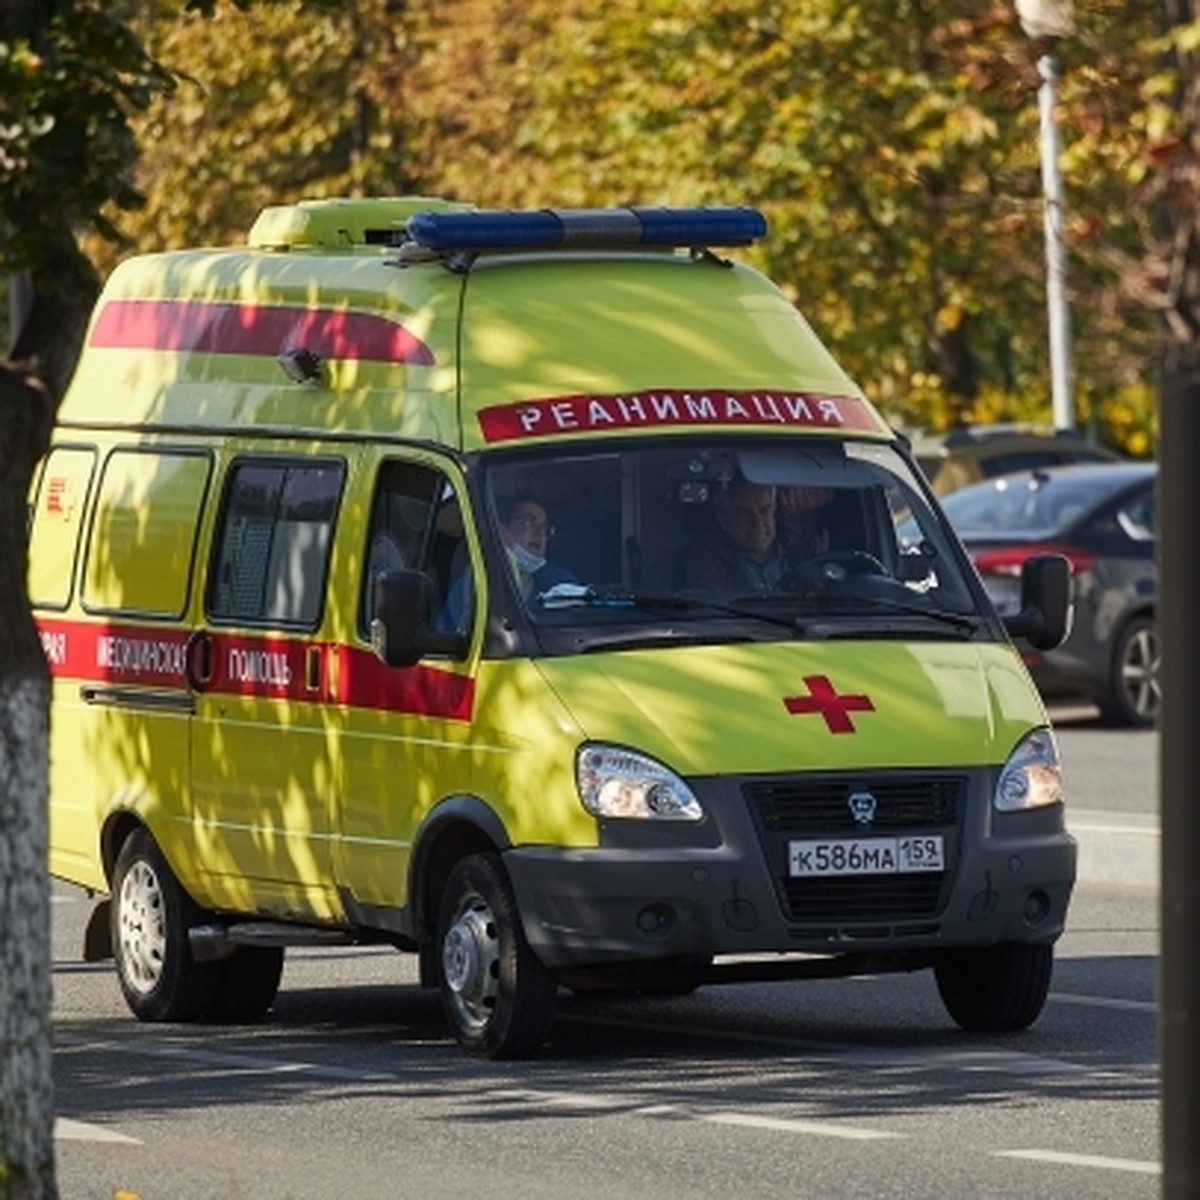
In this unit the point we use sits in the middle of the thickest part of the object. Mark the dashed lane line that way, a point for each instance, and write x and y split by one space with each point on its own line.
833 1129
1146 1006
1063 1158
609 1102
66 1130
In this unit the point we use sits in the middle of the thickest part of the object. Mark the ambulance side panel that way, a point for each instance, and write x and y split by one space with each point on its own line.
112 561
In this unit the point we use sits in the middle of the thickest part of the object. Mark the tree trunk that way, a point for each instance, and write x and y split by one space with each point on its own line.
26 1088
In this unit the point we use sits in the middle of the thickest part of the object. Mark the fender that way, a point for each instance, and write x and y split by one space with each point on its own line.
457 825
454 826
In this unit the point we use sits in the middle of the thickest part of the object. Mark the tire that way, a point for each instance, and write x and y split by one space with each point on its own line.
151 916
497 995
1134 694
248 984
995 989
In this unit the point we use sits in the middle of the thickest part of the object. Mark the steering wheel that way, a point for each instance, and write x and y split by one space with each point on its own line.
836 565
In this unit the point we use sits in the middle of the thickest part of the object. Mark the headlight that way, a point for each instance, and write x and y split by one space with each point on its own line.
1032 777
615 782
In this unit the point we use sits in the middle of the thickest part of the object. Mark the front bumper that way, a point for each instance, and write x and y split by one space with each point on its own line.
673 891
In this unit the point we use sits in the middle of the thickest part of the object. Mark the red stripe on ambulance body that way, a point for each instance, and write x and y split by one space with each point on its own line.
589 414
218 328
365 682
274 667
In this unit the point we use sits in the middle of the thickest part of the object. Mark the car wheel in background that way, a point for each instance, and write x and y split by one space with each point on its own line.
1134 693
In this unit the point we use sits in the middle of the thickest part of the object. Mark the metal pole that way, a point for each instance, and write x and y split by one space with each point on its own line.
1062 392
1179 769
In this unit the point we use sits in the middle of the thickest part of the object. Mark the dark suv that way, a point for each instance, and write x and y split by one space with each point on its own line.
970 453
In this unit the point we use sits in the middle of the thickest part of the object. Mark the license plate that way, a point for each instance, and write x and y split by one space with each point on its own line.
866 856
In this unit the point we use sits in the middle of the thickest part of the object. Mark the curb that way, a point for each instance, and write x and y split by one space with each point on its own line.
1116 847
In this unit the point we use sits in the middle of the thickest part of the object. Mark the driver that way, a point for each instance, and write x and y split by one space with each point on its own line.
746 551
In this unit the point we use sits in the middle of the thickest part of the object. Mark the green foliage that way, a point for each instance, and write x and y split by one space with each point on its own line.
71 75
892 143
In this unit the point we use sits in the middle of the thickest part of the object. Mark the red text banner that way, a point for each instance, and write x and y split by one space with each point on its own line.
589 414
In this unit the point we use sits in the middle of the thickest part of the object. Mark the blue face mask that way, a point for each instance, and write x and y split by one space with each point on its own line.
529 562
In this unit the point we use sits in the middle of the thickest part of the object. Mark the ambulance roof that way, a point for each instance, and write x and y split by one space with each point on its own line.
422 318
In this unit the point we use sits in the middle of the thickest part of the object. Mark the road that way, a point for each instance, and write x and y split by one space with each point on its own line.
1111 783
351 1088
1107 770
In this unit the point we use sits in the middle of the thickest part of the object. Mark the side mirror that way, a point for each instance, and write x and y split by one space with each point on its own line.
401 636
1046 610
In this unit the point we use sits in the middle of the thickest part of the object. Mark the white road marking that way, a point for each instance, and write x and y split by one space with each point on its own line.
67 1130
1146 1006
246 1064
833 1129
1139 1166
597 1100
616 1103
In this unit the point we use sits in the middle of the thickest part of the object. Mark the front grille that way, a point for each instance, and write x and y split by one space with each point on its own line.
822 805
817 807
863 897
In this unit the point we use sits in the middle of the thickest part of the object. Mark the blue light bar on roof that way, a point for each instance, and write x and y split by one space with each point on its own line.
586 228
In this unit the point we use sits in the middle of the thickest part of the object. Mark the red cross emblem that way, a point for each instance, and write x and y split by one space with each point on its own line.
823 699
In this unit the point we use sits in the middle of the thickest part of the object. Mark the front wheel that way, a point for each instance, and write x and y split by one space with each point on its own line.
497 995
151 916
995 989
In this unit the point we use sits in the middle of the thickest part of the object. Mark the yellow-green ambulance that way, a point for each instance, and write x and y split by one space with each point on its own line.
533 592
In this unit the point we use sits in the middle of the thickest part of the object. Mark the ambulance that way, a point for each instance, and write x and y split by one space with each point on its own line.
532 592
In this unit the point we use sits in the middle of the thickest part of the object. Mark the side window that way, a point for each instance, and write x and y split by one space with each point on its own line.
416 523
143 532
56 516
273 542
1137 517
1131 521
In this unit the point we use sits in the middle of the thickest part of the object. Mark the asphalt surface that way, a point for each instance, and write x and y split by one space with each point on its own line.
1111 783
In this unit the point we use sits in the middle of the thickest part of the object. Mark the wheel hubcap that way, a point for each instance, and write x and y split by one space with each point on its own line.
471 964
142 930
1139 674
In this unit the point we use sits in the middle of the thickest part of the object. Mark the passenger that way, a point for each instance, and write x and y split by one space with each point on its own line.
802 516
527 531
746 553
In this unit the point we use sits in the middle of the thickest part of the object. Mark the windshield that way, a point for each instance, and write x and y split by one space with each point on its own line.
780 538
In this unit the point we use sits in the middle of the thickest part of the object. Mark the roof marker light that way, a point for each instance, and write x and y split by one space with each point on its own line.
586 228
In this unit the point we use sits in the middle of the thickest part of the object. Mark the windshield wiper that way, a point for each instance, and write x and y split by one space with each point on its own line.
580 596
965 621
572 595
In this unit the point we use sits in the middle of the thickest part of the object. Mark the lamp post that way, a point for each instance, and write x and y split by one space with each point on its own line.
1047 22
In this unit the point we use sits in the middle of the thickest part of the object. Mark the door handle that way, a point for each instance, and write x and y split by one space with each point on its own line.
198 660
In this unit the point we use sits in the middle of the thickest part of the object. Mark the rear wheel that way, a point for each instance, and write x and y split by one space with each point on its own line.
497 995
248 984
151 916
1134 692
995 989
